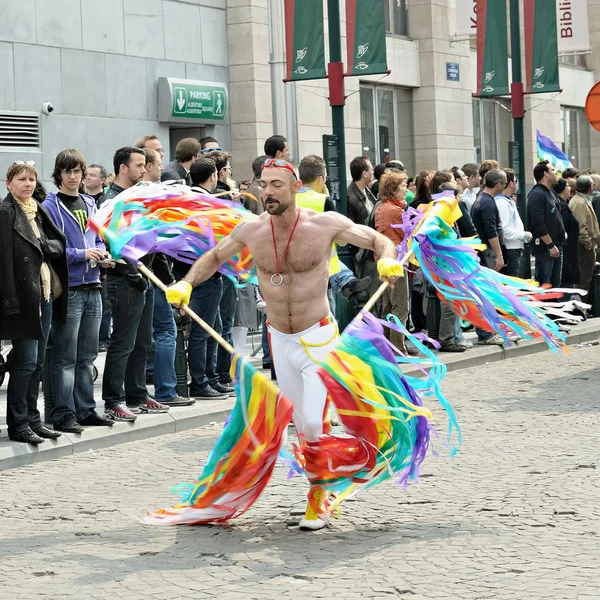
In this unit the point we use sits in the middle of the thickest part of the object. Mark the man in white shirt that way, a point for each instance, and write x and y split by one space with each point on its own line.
513 229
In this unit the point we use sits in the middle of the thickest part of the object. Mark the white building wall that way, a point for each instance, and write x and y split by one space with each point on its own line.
98 63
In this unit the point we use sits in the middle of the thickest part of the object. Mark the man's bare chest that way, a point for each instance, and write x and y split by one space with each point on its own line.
307 250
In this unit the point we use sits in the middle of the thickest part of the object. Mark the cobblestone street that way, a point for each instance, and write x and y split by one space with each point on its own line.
513 516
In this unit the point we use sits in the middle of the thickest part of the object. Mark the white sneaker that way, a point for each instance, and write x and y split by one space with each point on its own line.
466 344
495 340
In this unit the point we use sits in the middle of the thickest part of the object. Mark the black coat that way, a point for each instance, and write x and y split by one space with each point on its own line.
570 270
175 171
21 259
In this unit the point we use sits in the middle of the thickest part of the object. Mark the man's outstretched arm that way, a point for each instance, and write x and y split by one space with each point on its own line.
205 267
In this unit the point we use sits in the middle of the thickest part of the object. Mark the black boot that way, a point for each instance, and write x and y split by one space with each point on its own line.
356 286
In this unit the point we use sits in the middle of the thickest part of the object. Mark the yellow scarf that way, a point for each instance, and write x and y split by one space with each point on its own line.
30 209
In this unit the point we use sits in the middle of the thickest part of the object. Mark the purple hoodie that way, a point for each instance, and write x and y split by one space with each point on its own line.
81 271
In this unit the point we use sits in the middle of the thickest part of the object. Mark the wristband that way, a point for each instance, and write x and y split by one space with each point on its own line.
550 246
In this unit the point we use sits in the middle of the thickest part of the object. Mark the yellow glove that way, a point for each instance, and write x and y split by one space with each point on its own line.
388 267
180 293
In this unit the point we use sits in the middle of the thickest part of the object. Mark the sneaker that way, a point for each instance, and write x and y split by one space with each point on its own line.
564 328
120 412
452 348
224 388
69 425
95 420
151 406
312 521
495 340
178 401
466 344
211 394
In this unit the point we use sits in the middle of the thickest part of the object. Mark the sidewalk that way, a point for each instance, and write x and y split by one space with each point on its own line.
13 454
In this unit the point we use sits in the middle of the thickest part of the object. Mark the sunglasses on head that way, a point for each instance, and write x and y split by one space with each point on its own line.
209 150
280 164
30 163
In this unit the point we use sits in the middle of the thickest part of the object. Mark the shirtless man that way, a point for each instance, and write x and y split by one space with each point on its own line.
291 247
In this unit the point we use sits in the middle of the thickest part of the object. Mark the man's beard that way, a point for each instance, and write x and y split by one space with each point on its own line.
276 208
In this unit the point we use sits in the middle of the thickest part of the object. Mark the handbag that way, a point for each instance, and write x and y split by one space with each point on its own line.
55 283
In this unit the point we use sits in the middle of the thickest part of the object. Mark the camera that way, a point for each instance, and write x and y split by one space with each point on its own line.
47 108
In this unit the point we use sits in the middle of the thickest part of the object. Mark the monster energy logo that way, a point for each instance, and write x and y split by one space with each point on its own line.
81 217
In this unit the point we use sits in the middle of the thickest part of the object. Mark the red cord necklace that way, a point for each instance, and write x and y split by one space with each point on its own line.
279 265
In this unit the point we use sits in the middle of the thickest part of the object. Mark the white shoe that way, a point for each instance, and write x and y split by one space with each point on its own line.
466 344
495 340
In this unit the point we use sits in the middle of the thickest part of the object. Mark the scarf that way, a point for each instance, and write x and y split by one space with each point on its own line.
30 208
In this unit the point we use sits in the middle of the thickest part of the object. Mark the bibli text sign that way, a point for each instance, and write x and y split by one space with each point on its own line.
184 100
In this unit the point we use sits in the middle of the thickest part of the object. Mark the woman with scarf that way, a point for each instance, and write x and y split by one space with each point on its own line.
33 275
392 191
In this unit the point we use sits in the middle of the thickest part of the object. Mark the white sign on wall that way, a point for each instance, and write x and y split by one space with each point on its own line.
571 23
466 18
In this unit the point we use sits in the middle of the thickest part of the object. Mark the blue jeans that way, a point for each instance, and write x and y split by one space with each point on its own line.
224 325
459 337
131 339
513 261
74 350
25 364
202 357
265 341
339 280
165 334
548 269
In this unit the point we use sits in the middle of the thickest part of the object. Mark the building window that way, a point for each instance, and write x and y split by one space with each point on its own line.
386 116
492 129
574 60
576 135
396 17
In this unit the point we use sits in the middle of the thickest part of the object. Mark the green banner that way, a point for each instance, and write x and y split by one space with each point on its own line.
541 46
305 40
492 48
365 36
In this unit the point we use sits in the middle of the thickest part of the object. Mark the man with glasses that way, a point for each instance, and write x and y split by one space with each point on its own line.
75 342
207 144
291 247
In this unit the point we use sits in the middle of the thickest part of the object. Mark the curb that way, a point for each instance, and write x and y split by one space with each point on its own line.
481 355
14 455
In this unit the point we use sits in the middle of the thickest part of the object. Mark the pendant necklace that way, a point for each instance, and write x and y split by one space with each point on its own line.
277 277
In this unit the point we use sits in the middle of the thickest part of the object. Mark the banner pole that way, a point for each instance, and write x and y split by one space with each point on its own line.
518 115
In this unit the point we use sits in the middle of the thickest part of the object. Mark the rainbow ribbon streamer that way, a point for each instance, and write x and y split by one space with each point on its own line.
175 220
387 427
483 297
242 461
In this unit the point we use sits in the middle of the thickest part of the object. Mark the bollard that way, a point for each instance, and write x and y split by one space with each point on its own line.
434 312
181 363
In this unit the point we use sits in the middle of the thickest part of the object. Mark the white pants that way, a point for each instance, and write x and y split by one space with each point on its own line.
295 358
